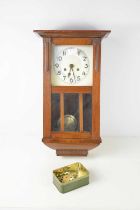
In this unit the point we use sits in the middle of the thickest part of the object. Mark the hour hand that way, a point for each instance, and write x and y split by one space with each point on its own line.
69 74
71 68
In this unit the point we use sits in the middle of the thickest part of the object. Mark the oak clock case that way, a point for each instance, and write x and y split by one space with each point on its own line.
71 90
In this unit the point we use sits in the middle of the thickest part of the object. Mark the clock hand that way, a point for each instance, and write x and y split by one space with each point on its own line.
69 73
71 69
71 66
73 74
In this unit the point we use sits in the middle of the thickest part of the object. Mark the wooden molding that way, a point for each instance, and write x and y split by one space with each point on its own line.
73 33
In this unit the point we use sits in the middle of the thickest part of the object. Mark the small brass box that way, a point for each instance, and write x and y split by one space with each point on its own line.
70 177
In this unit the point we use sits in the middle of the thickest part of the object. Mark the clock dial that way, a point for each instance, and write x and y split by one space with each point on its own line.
72 66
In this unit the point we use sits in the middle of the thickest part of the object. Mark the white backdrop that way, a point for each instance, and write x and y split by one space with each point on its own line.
25 163
21 60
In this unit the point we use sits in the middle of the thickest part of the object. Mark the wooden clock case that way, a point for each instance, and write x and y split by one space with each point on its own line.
71 143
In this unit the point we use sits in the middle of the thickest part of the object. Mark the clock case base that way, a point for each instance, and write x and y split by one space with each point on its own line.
70 152
71 147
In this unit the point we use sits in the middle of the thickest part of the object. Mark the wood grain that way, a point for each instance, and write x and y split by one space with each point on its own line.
73 33
69 135
71 152
96 88
72 41
46 87
72 89
81 111
61 112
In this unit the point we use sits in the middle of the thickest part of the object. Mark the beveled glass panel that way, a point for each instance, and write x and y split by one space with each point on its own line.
55 112
71 112
87 112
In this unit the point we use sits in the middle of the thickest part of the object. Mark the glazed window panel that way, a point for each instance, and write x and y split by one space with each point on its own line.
71 112
55 112
87 112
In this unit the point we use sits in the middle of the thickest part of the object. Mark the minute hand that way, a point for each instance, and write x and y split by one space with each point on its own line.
69 73
73 74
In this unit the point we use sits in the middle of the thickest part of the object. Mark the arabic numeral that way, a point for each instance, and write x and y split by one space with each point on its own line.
78 78
84 58
71 80
86 65
59 73
59 58
78 52
56 65
64 77
64 52
83 73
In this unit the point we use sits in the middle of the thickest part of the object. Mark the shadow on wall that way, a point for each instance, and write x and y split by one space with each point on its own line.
77 26
110 146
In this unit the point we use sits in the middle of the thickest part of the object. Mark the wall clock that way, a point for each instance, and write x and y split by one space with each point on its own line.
71 90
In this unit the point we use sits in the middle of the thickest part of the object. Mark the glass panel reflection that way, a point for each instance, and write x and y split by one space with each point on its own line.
87 112
71 112
55 111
